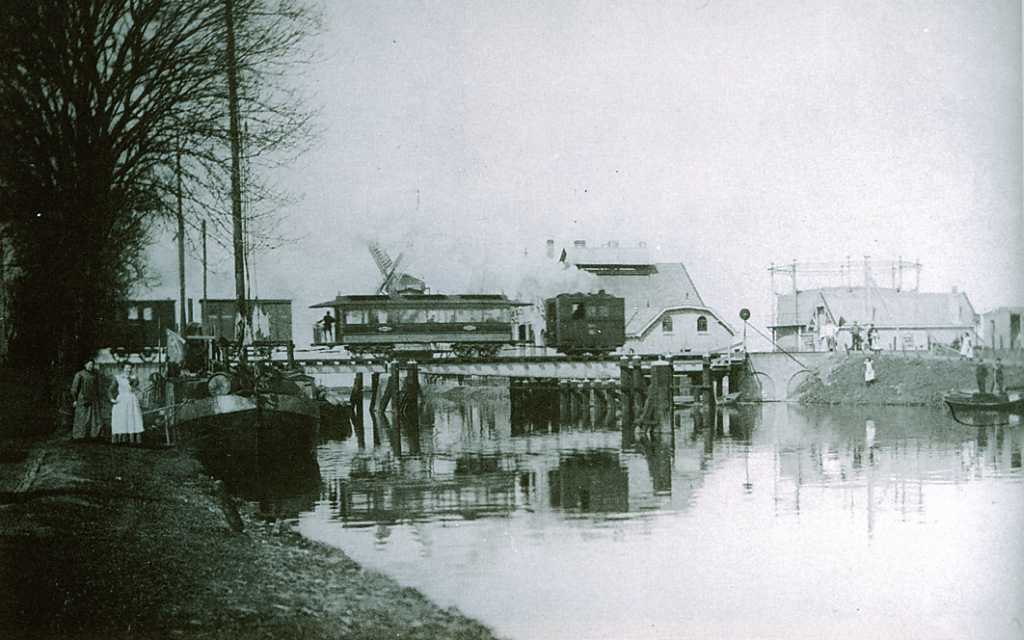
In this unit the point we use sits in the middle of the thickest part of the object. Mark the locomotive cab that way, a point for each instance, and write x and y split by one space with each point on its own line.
578 323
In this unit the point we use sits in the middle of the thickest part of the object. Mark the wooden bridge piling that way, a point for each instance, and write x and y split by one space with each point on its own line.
355 400
626 392
374 390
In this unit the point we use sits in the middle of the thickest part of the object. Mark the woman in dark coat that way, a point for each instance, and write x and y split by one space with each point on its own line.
85 396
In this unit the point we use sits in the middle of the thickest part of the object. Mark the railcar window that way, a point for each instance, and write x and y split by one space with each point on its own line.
147 313
355 316
468 315
578 311
495 315
603 311
702 324
379 316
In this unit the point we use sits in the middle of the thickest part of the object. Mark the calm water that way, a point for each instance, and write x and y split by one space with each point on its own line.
768 521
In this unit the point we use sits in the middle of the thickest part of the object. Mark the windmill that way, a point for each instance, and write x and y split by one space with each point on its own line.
394 282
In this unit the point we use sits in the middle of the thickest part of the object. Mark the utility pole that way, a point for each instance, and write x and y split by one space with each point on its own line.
202 307
236 172
181 250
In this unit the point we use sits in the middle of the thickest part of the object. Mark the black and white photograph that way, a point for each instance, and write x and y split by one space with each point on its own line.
511 319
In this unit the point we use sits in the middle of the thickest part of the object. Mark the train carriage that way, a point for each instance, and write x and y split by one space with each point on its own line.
585 323
466 325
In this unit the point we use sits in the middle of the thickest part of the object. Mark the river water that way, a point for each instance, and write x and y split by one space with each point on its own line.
763 521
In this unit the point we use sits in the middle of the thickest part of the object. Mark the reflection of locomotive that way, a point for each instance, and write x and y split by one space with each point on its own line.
578 323
467 325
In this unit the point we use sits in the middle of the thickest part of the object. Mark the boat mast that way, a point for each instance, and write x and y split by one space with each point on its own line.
236 173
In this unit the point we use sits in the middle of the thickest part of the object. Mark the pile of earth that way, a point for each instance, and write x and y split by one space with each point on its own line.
900 380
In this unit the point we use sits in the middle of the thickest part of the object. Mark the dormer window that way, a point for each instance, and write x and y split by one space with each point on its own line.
702 324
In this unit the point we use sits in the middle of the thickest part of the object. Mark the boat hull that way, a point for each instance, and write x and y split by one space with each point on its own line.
235 438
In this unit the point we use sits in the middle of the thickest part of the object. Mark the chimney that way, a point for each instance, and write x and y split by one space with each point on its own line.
550 249
579 244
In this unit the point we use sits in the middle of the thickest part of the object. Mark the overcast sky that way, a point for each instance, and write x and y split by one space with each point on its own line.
725 134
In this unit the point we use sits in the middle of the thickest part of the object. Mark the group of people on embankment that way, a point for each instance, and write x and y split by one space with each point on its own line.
87 388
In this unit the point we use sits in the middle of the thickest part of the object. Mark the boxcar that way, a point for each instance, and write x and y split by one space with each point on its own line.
272 319
465 325
138 324
580 323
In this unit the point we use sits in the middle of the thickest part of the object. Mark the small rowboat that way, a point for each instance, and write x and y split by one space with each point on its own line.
979 405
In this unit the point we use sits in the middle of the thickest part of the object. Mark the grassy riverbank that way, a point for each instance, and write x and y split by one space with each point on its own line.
901 380
103 541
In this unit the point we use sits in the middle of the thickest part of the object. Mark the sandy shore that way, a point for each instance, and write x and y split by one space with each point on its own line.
105 542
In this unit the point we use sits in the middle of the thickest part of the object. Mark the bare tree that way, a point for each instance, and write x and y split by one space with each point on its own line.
97 98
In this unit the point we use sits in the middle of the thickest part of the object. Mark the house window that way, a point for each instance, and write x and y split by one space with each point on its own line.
578 311
147 313
702 324
666 324
133 313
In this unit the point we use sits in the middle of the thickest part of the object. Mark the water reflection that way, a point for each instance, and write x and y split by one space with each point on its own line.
485 500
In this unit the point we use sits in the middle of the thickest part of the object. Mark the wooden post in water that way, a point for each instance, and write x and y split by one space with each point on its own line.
564 402
707 386
393 391
639 388
661 394
374 390
626 392
411 399
355 400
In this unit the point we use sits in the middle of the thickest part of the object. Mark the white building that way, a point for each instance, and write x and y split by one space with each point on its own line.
664 311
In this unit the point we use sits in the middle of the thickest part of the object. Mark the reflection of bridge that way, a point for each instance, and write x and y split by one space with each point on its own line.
390 500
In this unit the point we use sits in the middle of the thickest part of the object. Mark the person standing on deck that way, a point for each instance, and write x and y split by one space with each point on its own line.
855 332
85 398
997 375
981 374
328 321
126 417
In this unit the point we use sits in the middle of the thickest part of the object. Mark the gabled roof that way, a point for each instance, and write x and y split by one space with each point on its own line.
647 295
877 305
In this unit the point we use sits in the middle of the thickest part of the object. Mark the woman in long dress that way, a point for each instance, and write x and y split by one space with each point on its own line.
126 416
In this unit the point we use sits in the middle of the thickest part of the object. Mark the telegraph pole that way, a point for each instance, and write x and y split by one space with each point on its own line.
236 172
181 250
202 307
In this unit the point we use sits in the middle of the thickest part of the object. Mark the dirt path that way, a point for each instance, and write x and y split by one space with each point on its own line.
101 541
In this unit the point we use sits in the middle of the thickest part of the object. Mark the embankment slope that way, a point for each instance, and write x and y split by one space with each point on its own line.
901 380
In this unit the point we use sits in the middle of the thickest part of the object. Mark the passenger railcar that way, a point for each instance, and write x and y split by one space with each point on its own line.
465 325
585 323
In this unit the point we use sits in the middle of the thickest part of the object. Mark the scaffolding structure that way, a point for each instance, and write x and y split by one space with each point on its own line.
849 273
864 274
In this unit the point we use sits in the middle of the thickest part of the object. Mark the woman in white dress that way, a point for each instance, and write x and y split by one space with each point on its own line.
126 417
